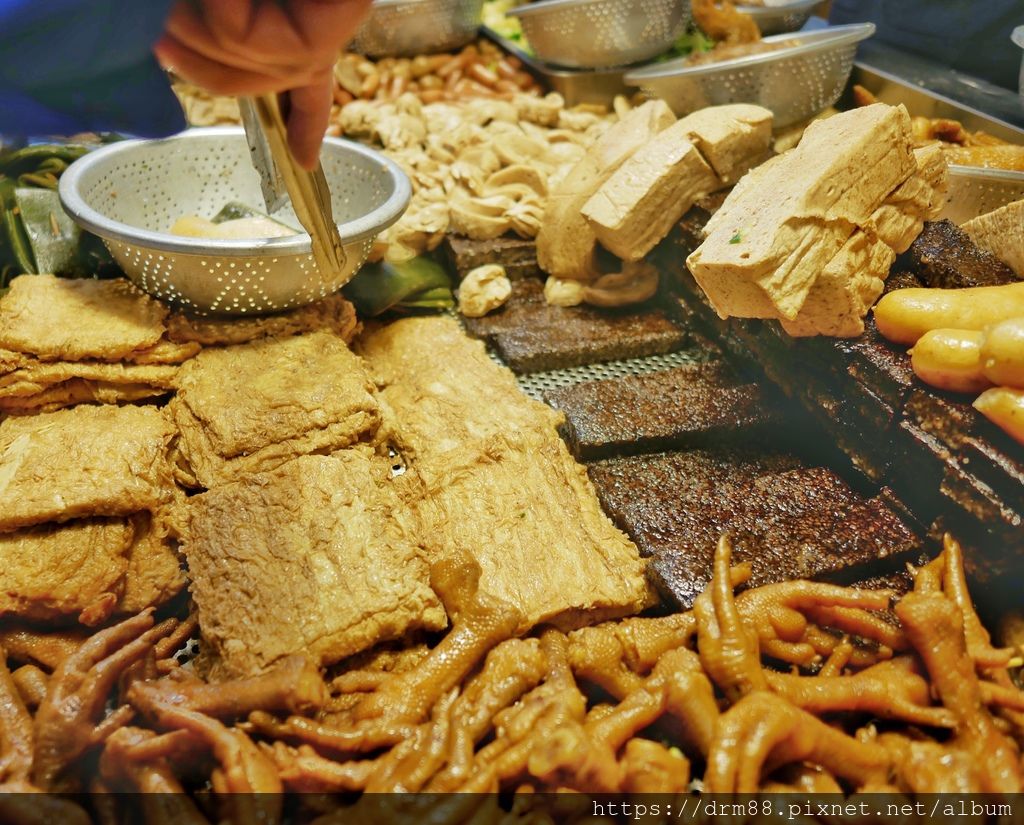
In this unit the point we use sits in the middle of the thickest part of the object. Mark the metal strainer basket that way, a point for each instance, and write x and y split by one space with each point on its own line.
594 34
403 28
796 82
130 193
974 191
781 17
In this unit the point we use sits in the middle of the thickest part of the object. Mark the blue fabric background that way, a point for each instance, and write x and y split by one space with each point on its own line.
972 36
84 65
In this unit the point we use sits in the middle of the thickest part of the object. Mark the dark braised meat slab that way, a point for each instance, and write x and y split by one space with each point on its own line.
944 257
787 520
531 336
688 406
516 255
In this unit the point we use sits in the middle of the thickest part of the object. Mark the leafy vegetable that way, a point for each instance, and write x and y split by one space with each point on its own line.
417 284
35 233
53 236
694 40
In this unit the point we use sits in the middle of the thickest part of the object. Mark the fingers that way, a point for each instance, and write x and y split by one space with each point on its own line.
308 117
267 37
328 22
213 76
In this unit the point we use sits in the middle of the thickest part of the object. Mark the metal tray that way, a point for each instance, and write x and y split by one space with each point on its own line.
973 191
889 88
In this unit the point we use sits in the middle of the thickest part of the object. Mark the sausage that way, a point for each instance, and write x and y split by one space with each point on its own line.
950 359
905 315
1002 354
1004 407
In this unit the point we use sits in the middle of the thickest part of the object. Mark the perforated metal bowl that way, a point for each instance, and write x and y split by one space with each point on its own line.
781 17
974 191
795 82
130 193
403 28
595 34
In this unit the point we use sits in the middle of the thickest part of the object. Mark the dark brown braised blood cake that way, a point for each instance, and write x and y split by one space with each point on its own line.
688 406
531 336
944 257
517 255
789 521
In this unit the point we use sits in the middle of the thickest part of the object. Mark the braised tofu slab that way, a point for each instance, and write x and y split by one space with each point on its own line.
86 461
251 407
319 555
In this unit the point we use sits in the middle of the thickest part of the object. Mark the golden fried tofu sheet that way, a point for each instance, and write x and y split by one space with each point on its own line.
251 407
331 314
72 570
499 483
40 375
165 351
318 556
154 573
78 319
525 510
88 569
78 391
445 388
84 462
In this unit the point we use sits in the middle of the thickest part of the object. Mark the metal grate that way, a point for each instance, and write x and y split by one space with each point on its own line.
536 384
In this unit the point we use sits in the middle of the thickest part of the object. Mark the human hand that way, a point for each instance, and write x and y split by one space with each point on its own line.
250 47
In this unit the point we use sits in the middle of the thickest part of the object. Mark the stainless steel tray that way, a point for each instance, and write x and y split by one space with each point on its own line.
972 191
920 102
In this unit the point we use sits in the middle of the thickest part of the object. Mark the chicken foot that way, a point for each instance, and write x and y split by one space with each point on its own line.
615 655
728 648
292 686
17 737
934 624
762 732
510 670
890 690
778 613
161 797
479 622
68 721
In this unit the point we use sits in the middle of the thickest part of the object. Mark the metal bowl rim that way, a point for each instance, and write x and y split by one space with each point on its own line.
817 41
535 9
354 231
985 173
390 4
768 12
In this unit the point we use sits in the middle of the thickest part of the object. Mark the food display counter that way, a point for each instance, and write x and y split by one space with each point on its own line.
656 452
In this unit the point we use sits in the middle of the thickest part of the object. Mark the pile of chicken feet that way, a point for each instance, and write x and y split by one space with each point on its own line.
852 702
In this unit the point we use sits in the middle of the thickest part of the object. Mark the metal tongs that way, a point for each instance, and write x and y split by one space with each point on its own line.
282 179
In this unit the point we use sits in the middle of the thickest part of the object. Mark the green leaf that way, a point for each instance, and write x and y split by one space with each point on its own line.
378 287
53 236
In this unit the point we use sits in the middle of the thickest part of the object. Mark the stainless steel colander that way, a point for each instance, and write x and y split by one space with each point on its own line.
974 191
403 28
594 34
781 17
796 82
130 193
